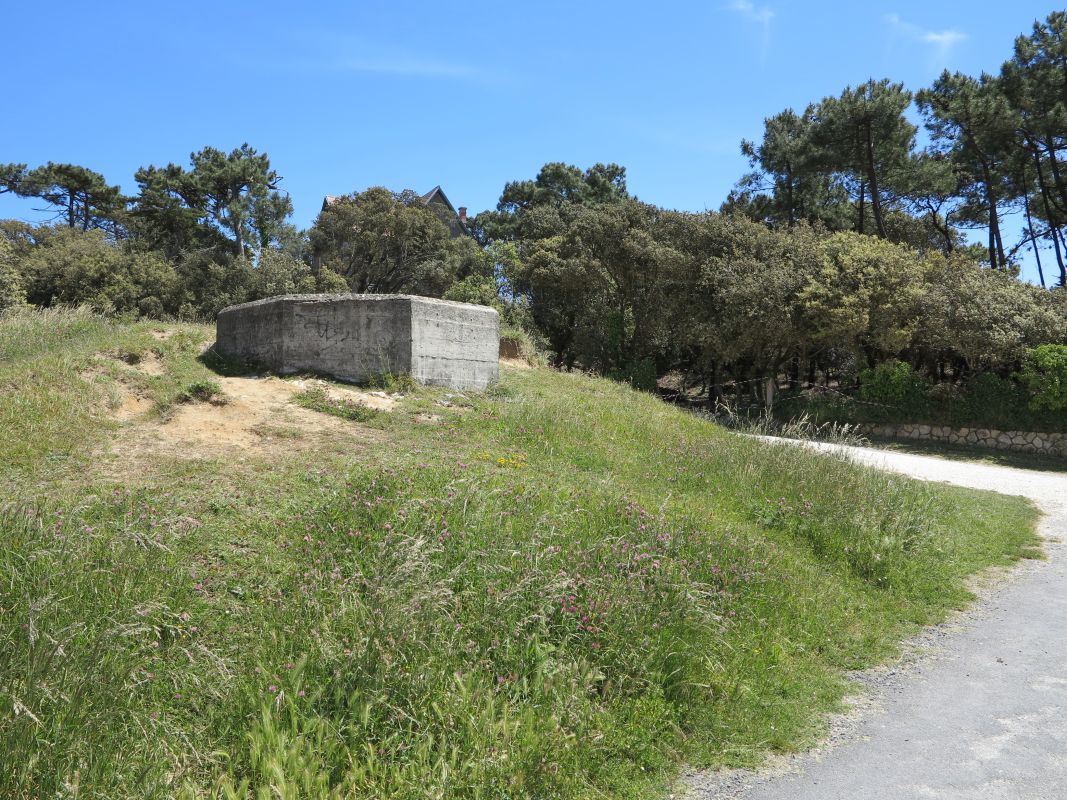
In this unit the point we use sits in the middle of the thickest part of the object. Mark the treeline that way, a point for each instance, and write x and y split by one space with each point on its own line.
997 147
635 291
196 238
845 249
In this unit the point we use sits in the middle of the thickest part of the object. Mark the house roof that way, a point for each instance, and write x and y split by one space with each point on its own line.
439 192
427 198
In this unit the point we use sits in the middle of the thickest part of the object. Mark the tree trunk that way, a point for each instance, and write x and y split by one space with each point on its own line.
789 197
996 247
1049 214
1030 230
1056 179
872 179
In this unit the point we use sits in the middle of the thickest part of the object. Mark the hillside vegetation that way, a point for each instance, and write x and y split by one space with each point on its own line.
563 588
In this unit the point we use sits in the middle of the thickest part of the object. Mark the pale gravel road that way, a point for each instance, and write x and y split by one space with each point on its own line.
982 715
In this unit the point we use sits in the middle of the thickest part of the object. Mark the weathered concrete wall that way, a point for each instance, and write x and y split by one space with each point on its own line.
1052 444
355 337
350 337
253 334
453 342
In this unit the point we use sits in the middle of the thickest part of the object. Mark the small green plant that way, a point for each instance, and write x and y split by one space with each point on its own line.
202 391
1045 374
393 383
131 357
318 398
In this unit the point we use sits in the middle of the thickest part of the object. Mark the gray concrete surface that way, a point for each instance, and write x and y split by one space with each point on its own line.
355 337
977 710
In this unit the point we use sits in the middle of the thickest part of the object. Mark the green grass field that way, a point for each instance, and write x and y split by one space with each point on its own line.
559 589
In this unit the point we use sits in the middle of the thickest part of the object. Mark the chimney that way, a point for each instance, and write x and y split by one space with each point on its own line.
462 215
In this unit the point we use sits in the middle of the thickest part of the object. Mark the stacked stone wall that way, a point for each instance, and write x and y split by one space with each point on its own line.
1051 444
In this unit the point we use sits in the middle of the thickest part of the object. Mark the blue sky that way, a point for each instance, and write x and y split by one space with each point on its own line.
467 95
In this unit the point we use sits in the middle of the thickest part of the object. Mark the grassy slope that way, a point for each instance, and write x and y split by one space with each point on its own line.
563 589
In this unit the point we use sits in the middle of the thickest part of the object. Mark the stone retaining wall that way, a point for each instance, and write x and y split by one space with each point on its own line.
1052 444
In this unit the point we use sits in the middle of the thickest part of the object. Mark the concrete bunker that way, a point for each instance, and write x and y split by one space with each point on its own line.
354 337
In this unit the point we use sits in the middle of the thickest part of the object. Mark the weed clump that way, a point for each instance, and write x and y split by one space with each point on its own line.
393 383
317 398
202 391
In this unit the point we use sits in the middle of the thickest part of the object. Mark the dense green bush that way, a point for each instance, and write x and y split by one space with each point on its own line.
640 375
11 290
477 289
73 267
990 396
894 384
1045 374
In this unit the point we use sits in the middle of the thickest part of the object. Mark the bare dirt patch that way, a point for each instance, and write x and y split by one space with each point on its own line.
257 420
149 364
515 363
131 405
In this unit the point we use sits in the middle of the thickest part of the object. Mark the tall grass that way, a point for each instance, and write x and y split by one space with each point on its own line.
565 589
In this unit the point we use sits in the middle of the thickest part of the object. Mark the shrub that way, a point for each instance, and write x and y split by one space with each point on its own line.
476 289
989 395
212 280
278 273
894 384
326 281
640 375
1044 373
11 291
74 267
202 391
401 383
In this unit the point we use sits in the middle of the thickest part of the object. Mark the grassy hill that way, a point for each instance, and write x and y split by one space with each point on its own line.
561 588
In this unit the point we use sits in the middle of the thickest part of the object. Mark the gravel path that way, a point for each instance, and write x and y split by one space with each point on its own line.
976 709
